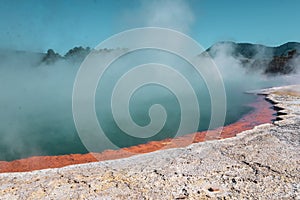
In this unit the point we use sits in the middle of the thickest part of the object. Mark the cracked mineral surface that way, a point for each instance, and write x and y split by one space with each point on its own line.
263 163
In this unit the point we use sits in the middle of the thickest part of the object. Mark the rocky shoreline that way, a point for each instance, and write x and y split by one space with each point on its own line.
262 163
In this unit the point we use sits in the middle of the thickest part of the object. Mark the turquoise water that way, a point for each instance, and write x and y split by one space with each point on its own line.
36 106
57 136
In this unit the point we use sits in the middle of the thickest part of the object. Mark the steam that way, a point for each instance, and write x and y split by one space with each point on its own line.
295 77
35 105
173 14
246 73
36 96
243 73
36 114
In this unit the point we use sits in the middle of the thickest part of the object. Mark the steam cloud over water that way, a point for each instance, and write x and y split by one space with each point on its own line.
36 113
36 88
35 105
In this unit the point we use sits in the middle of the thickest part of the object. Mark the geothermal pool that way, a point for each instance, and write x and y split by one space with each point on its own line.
52 132
263 113
36 104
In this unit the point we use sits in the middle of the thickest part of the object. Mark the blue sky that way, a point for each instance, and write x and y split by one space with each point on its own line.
38 25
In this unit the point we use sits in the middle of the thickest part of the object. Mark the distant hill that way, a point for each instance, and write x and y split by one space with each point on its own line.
269 60
77 54
272 60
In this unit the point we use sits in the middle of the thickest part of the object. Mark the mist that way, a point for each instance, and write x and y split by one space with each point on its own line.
36 88
173 14
36 100
250 72
35 105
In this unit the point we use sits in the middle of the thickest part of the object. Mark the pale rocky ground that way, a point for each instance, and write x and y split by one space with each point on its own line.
263 163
